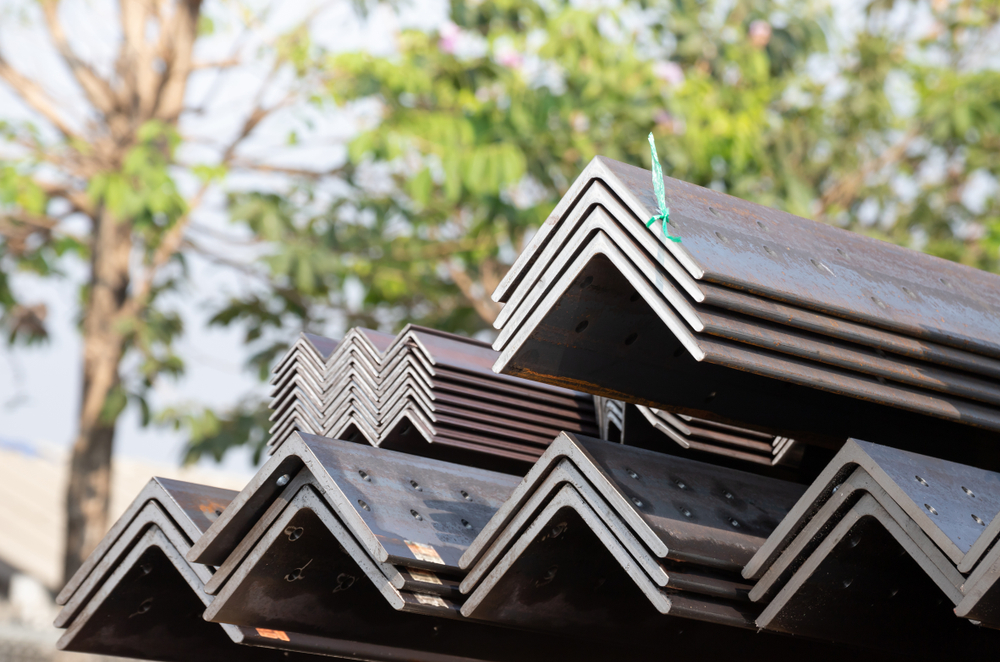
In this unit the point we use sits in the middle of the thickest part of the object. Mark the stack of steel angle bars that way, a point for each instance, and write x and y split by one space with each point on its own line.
630 545
136 596
756 317
420 386
886 532
696 434
336 539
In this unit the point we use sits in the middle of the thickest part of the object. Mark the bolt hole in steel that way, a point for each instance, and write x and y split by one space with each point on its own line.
415 486
855 540
465 495
968 492
581 326
631 338
632 473
909 293
682 485
721 238
979 521
819 265
841 252
735 524
146 568
921 481
715 211
728 495
344 582
417 516
364 505
945 282
558 529
294 533
586 282
762 226
218 512
893 592
144 606
684 511
550 574
637 502
769 251
466 524
930 509
283 480
364 475
847 582
878 302
294 575
835 488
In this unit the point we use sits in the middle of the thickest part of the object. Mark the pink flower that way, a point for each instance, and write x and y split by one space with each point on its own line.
760 33
510 59
670 72
449 37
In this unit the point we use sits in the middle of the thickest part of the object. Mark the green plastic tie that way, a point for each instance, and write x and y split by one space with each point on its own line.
661 196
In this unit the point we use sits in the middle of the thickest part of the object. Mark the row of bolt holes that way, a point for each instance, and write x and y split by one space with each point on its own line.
683 509
822 267
967 491
415 485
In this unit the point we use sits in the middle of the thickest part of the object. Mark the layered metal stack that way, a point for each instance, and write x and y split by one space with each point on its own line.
420 386
756 318
886 531
691 433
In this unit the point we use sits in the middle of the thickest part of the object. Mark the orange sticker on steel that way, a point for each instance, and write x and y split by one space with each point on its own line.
423 552
272 634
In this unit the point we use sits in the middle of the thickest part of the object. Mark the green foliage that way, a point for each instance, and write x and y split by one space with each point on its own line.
212 434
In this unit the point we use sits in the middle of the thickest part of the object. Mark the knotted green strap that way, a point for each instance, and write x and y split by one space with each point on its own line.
661 196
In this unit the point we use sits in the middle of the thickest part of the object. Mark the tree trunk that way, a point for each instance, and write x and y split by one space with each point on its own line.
89 490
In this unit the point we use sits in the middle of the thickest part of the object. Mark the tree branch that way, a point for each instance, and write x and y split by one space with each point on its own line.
36 97
485 307
97 90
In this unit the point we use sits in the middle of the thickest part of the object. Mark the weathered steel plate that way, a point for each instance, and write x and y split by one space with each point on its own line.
868 566
943 498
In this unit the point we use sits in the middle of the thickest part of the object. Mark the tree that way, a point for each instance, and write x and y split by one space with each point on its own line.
107 155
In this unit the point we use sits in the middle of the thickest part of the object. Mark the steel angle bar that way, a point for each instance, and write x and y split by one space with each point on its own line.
725 339
981 602
567 573
683 418
513 408
405 510
941 570
526 295
867 566
401 578
581 342
315 349
309 573
150 516
301 557
954 504
192 507
680 509
676 576
625 232
149 608
820 267
521 420
466 451
522 390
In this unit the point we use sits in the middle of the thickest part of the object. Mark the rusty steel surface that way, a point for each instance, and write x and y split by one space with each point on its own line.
309 573
937 566
690 511
193 507
809 264
767 351
602 336
953 504
867 566
388 500
599 208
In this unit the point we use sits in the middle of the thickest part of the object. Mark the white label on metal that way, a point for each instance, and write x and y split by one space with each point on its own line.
424 576
423 552
426 599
